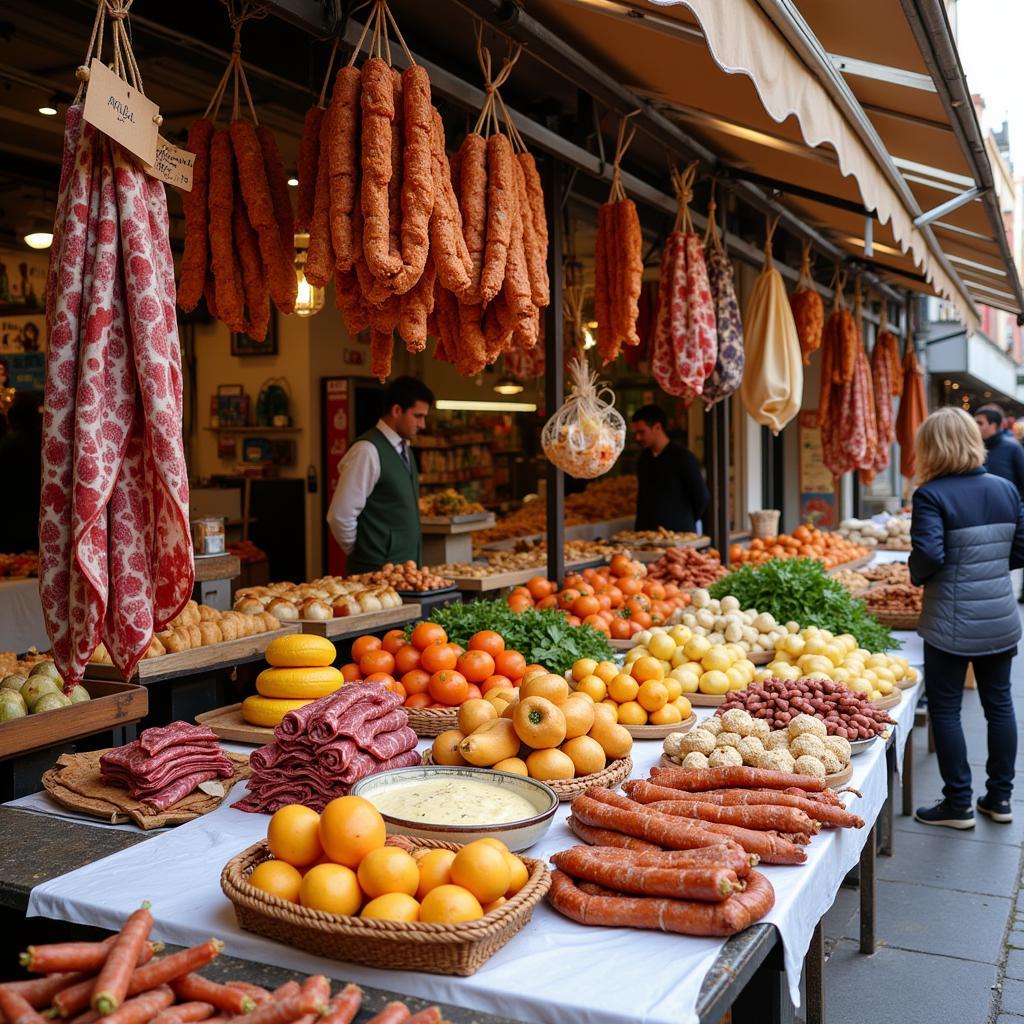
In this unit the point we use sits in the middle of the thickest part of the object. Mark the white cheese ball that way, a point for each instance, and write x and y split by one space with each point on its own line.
695 759
840 746
750 748
697 740
777 760
671 744
807 723
712 725
728 739
761 729
777 739
724 757
809 744
832 762
808 765
737 720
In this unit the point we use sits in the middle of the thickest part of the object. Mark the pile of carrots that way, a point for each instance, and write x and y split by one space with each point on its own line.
618 600
118 981
677 853
805 542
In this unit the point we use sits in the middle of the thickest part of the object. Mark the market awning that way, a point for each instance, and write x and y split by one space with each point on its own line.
804 105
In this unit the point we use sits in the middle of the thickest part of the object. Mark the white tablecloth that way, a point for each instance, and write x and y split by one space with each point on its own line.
21 617
554 968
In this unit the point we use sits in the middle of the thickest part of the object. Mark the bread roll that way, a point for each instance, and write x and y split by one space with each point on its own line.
345 605
249 606
283 610
315 608
208 614
229 625
269 622
210 633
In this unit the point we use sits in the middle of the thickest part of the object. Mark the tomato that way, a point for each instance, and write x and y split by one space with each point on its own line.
489 641
574 581
350 672
548 602
567 598
619 629
629 587
519 603
511 664
406 659
642 619
534 668
473 692
377 661
418 700
393 640
539 587
476 666
573 620
436 657
596 622
654 590
363 645
621 566
380 677
586 605
604 599
495 682
448 687
416 681
427 633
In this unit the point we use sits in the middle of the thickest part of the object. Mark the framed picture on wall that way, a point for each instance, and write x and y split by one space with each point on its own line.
243 345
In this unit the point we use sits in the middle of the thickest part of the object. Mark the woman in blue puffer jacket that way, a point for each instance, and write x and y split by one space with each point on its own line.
967 533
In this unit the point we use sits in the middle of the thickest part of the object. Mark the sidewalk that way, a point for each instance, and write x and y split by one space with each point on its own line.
950 920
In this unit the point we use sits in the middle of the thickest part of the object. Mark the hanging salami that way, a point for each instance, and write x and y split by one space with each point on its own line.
728 372
808 309
912 411
884 356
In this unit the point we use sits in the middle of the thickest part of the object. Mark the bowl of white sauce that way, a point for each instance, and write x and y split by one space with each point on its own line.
460 804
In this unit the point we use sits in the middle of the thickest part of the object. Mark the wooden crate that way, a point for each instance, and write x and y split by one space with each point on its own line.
356 625
113 704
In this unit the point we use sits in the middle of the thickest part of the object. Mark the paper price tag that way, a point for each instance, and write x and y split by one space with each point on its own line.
172 165
113 107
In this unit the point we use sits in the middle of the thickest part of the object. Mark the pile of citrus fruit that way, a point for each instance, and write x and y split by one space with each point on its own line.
804 542
545 731
429 672
642 692
338 862
616 599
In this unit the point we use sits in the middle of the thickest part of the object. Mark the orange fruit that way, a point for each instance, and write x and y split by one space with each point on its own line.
487 640
426 633
483 870
332 888
293 835
520 602
388 869
407 659
586 754
511 664
277 878
494 904
593 687
495 682
415 681
377 661
646 667
350 827
392 906
448 687
476 666
585 605
445 748
365 644
548 685
437 657
449 904
550 764
394 640
418 700
653 694
519 874
579 717
350 672
473 713
435 869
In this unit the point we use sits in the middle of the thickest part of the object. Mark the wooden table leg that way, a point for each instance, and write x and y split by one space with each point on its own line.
885 816
867 895
908 775
814 977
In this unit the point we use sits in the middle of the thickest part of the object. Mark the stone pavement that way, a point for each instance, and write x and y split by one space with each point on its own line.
950 917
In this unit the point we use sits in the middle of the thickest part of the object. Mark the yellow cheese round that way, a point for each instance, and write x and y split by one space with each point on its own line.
268 711
301 650
298 683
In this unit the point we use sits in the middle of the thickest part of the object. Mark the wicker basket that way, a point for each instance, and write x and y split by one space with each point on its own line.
392 945
568 789
896 620
764 523
426 722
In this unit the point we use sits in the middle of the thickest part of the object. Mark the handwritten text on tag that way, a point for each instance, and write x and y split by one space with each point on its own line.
172 165
124 114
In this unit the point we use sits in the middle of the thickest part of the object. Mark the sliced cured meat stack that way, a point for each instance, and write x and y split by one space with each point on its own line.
115 547
322 749
164 765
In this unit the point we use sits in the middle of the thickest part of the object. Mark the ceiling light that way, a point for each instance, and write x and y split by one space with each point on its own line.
309 299
460 405
508 386
588 339
47 110
39 239
293 182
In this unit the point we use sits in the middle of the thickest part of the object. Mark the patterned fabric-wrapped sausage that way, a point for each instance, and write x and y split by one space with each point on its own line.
728 372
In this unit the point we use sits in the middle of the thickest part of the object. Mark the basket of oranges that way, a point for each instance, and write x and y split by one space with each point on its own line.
335 885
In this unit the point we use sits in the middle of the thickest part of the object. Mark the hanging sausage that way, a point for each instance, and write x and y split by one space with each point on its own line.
728 372
912 411
808 309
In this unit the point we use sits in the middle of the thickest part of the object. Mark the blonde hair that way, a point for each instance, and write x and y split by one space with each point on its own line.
948 443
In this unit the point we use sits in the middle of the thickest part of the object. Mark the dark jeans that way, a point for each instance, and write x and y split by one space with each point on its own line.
944 685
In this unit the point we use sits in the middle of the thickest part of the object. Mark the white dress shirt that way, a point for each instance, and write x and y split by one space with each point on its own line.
358 474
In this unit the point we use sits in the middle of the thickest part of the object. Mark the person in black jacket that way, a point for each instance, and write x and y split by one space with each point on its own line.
967 533
1003 454
671 491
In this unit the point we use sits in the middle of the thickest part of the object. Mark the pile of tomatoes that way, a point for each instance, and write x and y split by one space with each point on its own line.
428 671
618 599
805 542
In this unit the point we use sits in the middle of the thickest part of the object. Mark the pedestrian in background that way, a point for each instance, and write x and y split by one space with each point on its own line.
967 533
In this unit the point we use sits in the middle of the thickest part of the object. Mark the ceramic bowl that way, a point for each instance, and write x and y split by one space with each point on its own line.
516 835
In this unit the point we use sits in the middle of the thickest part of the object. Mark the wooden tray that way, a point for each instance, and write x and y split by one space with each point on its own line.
888 702
356 625
466 517
908 684
761 657
415 595
659 732
705 700
514 577
113 704
227 722
226 654
835 779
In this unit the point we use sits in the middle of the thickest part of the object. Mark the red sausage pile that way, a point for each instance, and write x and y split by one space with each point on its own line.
844 712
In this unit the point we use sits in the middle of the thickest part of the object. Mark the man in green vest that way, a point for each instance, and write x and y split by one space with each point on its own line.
375 512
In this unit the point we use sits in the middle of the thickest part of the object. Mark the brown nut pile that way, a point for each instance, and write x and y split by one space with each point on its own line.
688 567
844 712
407 576
856 583
894 597
887 572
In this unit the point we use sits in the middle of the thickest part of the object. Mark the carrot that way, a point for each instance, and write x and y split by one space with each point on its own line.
188 987
17 1009
318 985
89 1017
184 1013
38 992
289 988
825 812
606 837
255 992
696 779
726 856
142 1008
759 817
66 956
393 1013
685 917
712 884
428 1015
112 982
344 1006
290 1008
